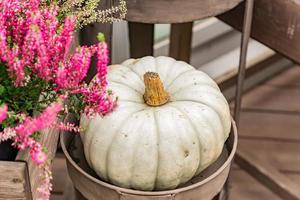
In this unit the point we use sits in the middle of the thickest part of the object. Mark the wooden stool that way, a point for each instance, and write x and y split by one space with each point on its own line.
142 15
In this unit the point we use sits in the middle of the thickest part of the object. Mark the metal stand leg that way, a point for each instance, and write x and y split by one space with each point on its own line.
243 57
224 195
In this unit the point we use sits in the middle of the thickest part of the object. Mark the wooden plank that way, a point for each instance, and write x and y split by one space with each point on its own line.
180 41
243 186
229 79
288 79
56 197
71 193
49 140
295 177
259 155
264 125
271 98
141 38
268 175
275 24
266 162
60 174
175 11
14 181
281 155
290 174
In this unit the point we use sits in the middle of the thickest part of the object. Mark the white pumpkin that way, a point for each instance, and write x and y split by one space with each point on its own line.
157 147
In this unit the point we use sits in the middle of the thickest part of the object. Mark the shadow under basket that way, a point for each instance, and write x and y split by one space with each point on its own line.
204 186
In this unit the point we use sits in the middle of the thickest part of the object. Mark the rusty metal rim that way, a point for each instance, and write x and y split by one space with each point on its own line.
155 193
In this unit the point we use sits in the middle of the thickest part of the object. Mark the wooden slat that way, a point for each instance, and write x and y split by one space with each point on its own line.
56 197
229 79
141 38
295 177
266 125
269 143
275 24
268 175
175 11
49 139
291 174
281 155
60 174
14 181
288 79
267 97
245 187
180 41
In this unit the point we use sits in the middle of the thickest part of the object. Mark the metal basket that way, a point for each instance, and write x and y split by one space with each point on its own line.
204 186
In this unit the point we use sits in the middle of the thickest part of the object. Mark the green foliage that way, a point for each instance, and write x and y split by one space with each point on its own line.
31 98
36 135
75 105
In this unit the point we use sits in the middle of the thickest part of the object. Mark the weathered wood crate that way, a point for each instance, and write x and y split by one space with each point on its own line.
21 178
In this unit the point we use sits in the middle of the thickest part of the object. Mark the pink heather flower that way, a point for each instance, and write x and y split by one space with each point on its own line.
37 40
72 72
66 37
98 101
33 39
6 134
67 127
38 157
46 187
102 62
3 113
16 14
31 125
40 43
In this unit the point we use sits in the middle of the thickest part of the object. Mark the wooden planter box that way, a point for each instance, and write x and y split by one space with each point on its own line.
20 179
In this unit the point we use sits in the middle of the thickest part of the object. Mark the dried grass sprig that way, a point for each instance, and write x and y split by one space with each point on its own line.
89 11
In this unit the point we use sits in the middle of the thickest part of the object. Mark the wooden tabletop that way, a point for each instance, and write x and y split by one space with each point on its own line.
176 11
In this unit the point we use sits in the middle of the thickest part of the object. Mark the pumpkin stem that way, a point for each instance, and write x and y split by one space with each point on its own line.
155 94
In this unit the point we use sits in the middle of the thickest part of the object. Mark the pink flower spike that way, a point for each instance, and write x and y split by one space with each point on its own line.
45 188
102 62
3 113
38 157
7 133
